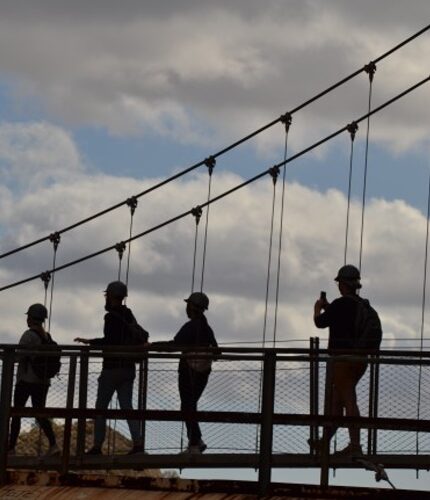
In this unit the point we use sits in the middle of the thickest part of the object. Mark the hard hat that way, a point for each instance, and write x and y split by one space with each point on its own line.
37 312
198 299
117 289
349 274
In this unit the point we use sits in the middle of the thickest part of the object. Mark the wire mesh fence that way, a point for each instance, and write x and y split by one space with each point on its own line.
235 385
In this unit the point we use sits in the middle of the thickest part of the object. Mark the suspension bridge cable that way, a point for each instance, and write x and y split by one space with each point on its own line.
287 122
352 129
210 163
132 203
55 238
370 69
423 305
197 213
274 173
226 149
229 191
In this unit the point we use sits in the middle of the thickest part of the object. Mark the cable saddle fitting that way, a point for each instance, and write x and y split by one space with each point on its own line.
197 213
210 162
132 203
352 129
55 239
370 69
120 248
286 119
274 172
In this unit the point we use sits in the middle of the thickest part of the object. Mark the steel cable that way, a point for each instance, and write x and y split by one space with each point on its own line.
229 191
225 150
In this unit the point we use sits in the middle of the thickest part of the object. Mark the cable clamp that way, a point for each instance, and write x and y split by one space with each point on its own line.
132 203
286 119
210 162
352 129
55 239
197 213
370 69
120 248
274 172
46 278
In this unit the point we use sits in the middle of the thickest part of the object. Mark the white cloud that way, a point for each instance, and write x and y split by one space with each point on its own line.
200 67
36 154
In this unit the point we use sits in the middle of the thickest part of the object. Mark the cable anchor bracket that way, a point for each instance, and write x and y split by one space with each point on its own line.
370 69
210 162
55 239
197 213
120 248
132 203
286 119
274 172
352 129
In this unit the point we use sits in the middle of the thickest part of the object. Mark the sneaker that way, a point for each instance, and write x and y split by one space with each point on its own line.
315 444
53 451
202 446
352 450
137 448
195 449
95 450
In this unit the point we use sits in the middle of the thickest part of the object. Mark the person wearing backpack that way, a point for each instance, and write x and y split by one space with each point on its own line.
117 374
353 324
32 381
193 372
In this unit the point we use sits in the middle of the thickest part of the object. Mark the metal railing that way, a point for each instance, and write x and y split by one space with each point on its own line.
259 409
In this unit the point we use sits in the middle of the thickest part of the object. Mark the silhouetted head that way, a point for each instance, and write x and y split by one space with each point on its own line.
348 278
117 289
37 313
115 293
197 303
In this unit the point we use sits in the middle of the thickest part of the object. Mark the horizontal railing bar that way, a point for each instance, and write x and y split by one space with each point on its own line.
4 348
293 419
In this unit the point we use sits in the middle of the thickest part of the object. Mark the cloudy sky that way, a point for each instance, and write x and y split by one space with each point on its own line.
100 100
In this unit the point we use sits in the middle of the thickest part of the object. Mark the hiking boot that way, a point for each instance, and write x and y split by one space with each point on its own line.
137 448
352 450
95 450
53 451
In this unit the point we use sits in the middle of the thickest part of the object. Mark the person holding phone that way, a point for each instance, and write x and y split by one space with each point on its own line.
340 317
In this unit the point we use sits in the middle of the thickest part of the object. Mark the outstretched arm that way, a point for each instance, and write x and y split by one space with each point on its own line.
82 340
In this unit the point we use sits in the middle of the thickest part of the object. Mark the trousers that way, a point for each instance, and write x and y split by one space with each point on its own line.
119 380
191 386
38 394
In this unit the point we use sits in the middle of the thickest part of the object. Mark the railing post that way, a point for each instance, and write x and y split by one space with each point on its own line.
5 404
83 391
313 390
325 452
371 405
317 378
68 420
375 405
266 439
142 394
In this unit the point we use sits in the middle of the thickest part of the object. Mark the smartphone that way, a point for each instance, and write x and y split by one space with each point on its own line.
323 296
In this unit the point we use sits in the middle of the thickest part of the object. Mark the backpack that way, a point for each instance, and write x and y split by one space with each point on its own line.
134 335
46 367
368 329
